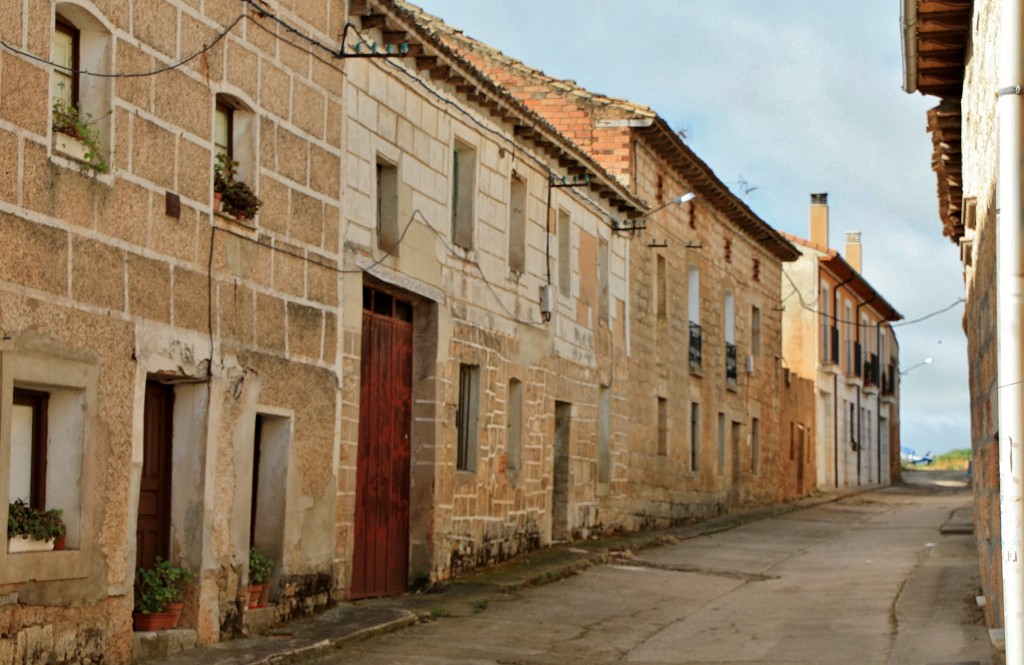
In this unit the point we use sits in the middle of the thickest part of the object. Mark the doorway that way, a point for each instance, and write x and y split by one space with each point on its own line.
380 565
560 487
153 526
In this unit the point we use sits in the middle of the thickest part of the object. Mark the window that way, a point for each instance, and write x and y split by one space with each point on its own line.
517 224
466 417
661 288
755 331
514 441
755 446
387 207
848 319
564 253
28 447
694 436
66 47
463 194
693 293
731 373
728 250
823 313
662 426
80 42
223 130
604 294
604 435
49 403
756 270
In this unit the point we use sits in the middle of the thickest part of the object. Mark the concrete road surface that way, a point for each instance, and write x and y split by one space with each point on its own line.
867 579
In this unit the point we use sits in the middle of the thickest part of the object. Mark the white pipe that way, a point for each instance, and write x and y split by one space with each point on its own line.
1010 314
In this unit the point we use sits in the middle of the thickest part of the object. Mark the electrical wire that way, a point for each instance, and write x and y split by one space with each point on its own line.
928 316
416 213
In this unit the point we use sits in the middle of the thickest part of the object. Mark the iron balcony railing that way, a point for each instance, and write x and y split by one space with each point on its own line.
730 361
695 355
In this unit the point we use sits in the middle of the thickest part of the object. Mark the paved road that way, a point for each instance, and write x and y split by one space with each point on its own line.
868 579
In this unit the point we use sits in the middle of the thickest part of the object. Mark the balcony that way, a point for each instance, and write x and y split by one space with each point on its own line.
871 370
695 355
730 363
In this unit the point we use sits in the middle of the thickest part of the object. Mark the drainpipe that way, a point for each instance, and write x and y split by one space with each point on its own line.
1009 320
835 381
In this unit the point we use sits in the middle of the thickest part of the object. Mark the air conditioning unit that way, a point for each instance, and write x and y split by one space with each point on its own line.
750 364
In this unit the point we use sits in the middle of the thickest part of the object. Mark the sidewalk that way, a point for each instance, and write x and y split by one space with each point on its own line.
463 596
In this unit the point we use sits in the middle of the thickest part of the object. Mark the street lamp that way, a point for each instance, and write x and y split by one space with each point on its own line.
926 361
689 196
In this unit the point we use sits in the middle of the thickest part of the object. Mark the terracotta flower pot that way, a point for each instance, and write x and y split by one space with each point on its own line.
58 543
155 621
175 610
255 590
218 201
265 595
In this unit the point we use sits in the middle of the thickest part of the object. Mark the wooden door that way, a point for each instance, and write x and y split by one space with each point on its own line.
380 564
153 529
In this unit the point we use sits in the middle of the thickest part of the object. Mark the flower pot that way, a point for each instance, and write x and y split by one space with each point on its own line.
24 544
240 217
69 146
175 610
255 590
218 201
58 543
155 621
265 595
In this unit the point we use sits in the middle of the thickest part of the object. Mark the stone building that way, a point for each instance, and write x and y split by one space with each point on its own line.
950 52
438 341
707 434
837 329
186 383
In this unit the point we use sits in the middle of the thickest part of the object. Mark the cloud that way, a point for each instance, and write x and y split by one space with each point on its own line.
796 97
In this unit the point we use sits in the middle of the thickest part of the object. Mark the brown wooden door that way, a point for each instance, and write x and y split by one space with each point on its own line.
153 528
381 558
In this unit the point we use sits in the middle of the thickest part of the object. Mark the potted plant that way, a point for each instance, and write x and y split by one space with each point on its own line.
69 121
32 530
236 197
157 591
261 567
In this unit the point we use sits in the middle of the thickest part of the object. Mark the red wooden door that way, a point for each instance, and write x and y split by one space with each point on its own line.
153 528
380 564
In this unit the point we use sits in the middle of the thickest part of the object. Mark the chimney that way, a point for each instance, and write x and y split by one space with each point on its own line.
853 250
819 219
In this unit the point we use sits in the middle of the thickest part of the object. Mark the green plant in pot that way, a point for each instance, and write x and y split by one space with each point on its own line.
27 522
71 120
237 197
261 567
157 589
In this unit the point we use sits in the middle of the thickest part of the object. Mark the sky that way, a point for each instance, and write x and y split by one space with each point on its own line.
789 97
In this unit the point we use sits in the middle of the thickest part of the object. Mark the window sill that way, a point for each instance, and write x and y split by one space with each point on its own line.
42 566
732 385
697 371
242 221
70 147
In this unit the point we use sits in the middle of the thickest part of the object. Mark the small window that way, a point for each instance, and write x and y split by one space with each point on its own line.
466 417
387 207
693 301
66 47
564 253
756 270
463 194
223 130
28 448
728 250
517 224
730 318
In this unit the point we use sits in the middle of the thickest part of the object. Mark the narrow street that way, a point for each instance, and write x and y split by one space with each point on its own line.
867 579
